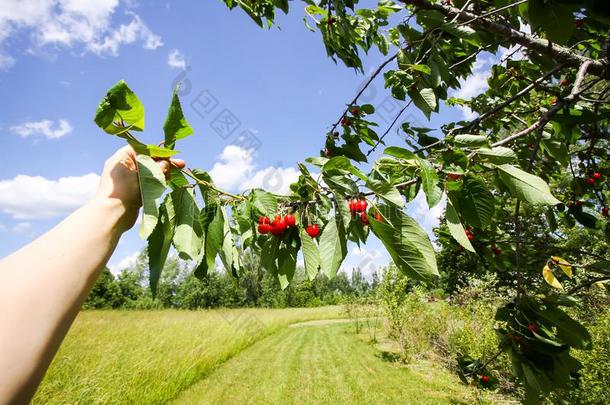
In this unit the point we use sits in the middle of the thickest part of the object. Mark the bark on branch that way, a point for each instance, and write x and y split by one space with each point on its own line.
542 46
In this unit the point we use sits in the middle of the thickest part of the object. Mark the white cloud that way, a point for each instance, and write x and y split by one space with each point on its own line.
69 23
475 84
44 128
22 228
126 34
35 197
369 261
176 60
124 263
6 62
236 171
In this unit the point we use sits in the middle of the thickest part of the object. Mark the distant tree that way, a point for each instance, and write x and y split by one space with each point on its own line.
105 293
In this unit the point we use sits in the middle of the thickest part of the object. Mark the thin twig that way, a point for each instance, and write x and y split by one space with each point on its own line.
380 140
355 100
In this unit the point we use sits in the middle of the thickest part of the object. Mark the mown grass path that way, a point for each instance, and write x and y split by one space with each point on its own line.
322 363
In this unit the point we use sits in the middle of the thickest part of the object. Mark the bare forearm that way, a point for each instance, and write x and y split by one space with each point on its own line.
42 287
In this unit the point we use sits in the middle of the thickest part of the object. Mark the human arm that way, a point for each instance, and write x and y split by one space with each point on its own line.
43 285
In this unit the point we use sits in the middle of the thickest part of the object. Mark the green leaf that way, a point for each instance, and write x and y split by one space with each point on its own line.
475 202
187 238
343 165
152 186
342 207
152 150
498 155
420 68
526 186
212 222
425 100
210 196
287 263
470 140
555 19
429 180
456 229
408 244
176 126
333 247
602 267
386 191
159 243
400 153
226 250
264 202
120 106
311 255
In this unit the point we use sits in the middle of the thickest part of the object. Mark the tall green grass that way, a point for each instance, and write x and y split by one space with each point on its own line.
148 357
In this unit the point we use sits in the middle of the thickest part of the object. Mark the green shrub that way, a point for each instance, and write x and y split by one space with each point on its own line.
593 385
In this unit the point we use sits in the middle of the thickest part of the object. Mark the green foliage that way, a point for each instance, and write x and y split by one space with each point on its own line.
539 139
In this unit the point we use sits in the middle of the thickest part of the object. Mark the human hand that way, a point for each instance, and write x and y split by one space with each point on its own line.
119 182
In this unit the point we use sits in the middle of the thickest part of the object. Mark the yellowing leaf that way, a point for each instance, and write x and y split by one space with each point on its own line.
549 277
565 266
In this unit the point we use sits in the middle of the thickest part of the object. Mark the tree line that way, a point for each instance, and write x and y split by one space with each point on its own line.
179 288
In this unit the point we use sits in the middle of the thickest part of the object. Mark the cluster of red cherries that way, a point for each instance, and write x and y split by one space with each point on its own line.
594 178
469 234
280 224
346 122
358 207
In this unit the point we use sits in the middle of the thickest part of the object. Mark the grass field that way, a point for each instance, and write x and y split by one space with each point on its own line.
322 364
148 357
233 356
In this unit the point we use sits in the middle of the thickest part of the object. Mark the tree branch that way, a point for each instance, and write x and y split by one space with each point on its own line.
355 100
546 117
389 128
542 46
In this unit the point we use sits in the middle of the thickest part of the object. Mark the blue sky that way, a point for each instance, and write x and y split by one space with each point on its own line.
58 57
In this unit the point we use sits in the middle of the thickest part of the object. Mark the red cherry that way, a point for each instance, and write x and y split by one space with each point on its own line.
597 175
264 228
278 226
290 220
264 220
470 237
355 112
312 230
346 122
364 218
532 327
497 251
564 82
579 22
453 176
605 211
353 205
361 206
327 153
590 181
485 379
378 217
